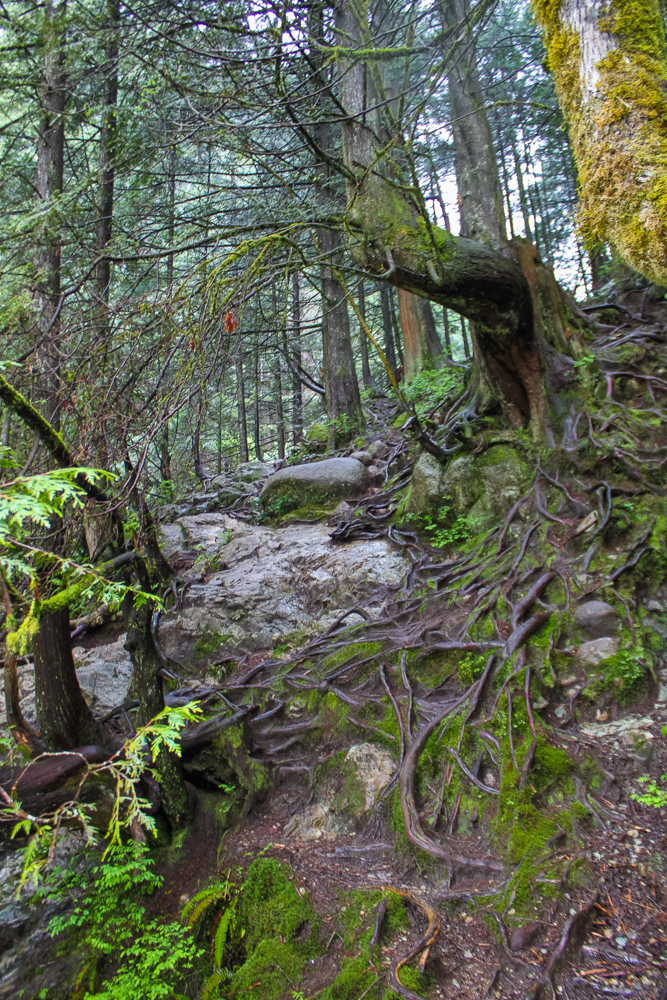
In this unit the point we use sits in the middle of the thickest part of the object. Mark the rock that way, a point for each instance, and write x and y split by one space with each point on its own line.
540 704
524 936
290 581
568 681
344 795
597 619
316 482
362 456
376 474
426 493
591 654
484 487
250 472
560 712
631 731
13 921
374 770
378 449
654 605
104 674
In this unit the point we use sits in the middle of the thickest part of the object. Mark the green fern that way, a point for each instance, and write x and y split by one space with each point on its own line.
197 906
214 981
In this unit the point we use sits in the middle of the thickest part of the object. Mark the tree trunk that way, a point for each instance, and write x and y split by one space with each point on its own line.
165 454
523 201
256 415
65 721
200 472
49 184
480 193
609 64
147 685
342 400
171 221
280 416
394 238
389 348
445 323
241 409
108 134
297 398
363 341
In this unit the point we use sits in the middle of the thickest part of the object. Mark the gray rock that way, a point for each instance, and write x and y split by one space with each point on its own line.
250 472
274 582
104 674
591 654
366 770
13 921
378 449
427 486
362 456
319 482
597 619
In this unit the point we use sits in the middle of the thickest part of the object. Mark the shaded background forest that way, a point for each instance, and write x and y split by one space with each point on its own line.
168 214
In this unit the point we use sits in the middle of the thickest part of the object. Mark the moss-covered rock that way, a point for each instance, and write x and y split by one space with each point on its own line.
427 486
484 487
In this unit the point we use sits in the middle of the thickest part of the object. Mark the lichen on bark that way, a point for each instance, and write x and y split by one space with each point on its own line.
610 69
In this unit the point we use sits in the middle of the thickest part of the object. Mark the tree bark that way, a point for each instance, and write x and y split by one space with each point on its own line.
363 341
108 135
297 398
389 348
65 720
49 184
609 65
256 425
241 409
200 472
147 685
480 193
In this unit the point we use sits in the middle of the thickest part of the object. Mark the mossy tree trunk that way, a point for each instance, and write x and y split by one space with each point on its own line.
392 236
610 68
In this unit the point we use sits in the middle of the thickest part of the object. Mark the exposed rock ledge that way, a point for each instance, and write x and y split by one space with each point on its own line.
257 584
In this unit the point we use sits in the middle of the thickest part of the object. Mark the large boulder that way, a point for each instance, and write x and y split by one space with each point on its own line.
316 482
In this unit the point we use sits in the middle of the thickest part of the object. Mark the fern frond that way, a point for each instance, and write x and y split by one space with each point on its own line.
227 922
212 983
201 901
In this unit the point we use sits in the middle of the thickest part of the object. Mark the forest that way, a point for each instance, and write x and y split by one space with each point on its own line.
333 479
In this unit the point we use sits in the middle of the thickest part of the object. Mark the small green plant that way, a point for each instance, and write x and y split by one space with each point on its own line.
137 957
441 535
654 796
225 895
124 769
430 387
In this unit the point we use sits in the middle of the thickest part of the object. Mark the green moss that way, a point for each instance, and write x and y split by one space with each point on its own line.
280 932
209 642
